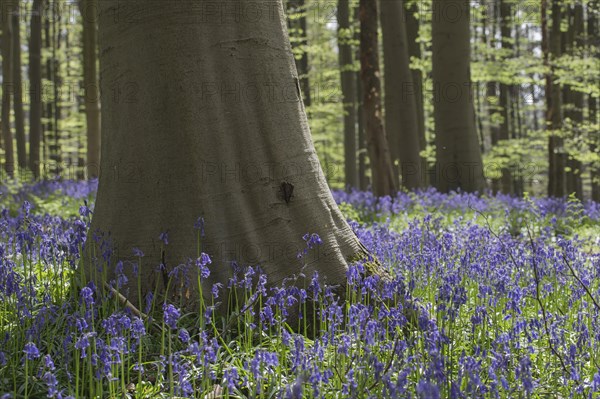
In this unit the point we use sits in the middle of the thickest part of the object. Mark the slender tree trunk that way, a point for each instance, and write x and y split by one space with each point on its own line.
379 153
414 51
401 124
574 100
551 49
49 104
298 33
7 88
505 104
593 43
57 80
459 164
477 90
89 12
346 61
35 88
18 93
363 180
489 37
194 144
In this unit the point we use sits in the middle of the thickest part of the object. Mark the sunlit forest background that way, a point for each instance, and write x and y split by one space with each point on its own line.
520 50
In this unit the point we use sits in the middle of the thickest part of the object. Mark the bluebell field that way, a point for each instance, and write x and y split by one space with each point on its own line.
492 297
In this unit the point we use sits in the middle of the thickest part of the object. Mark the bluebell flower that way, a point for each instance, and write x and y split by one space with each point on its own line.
164 237
49 363
215 289
87 296
184 336
137 252
199 225
231 377
31 351
171 315
52 384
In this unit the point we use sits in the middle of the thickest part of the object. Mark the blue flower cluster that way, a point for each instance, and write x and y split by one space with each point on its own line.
500 302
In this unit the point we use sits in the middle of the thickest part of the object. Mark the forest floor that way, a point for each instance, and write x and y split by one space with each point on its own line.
492 297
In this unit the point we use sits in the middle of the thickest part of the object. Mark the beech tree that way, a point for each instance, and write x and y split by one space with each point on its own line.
348 85
89 13
35 87
379 154
7 88
401 117
18 90
215 128
458 155
551 46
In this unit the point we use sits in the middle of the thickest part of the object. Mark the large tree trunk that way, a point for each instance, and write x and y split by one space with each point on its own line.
459 164
35 87
7 88
346 61
401 119
379 154
18 93
551 44
214 131
89 12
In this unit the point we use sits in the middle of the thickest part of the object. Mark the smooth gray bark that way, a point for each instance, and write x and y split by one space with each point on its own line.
379 153
89 12
458 155
7 88
211 127
347 77
35 89
18 92
401 118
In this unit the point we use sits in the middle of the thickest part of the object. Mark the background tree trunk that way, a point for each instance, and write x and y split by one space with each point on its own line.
505 89
298 32
593 44
401 119
551 47
35 87
414 51
379 154
217 131
18 92
7 88
48 116
573 99
89 12
459 164
56 152
491 91
346 61
363 180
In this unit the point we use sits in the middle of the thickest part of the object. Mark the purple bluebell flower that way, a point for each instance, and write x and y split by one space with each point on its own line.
199 225
164 237
137 252
31 351
184 335
171 315
87 296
